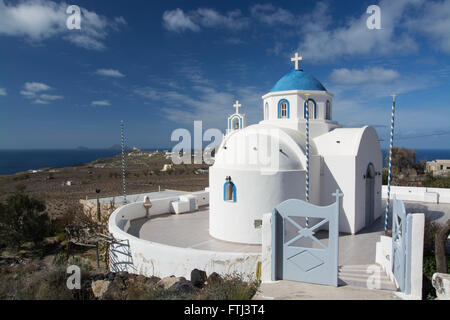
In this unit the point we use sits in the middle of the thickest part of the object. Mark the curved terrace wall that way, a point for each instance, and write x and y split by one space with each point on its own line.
149 258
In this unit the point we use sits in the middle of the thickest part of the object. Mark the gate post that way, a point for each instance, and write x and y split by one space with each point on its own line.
277 245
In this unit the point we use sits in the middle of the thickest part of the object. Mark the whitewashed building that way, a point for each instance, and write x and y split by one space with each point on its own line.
259 166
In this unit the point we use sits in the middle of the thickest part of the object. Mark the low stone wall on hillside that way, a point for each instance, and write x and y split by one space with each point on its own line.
90 209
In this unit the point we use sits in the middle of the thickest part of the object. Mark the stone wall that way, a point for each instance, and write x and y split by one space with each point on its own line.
90 209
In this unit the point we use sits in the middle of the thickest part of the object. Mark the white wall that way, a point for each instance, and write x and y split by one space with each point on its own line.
256 194
383 257
346 154
419 194
368 152
339 173
150 258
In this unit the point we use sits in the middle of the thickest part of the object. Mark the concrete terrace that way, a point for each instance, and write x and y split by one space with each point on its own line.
178 230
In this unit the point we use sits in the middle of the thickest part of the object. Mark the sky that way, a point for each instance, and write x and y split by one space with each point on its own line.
160 66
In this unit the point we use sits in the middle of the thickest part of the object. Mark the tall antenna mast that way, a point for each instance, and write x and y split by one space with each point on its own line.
386 218
123 163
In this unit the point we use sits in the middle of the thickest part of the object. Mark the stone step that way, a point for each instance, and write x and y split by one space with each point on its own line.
365 276
362 276
361 267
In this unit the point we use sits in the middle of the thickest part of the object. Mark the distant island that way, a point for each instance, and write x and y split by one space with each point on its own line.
81 148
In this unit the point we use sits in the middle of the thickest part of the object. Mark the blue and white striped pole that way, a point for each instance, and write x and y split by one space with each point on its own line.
307 151
390 165
123 163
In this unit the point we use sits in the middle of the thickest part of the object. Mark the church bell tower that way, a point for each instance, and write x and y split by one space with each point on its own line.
236 121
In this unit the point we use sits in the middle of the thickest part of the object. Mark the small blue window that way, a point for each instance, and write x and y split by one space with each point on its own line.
229 191
283 109
312 109
328 110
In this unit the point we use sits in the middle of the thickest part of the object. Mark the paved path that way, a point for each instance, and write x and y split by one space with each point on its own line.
290 290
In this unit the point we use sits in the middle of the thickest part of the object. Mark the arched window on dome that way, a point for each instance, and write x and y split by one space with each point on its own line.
328 110
312 109
283 109
235 124
266 111
229 191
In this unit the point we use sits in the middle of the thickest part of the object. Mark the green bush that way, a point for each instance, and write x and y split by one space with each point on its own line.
385 176
22 219
436 182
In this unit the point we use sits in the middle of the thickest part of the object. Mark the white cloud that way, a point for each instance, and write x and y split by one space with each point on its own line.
177 20
40 101
100 103
50 97
200 99
323 40
271 15
210 18
359 76
37 20
33 90
372 83
434 22
36 87
34 19
110 73
86 42
2 92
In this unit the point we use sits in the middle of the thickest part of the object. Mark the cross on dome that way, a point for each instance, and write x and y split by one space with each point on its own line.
237 105
296 59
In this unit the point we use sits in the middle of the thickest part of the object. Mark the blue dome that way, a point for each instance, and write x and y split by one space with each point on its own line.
298 80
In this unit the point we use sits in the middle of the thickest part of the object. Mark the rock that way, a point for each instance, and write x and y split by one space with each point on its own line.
115 290
98 276
27 245
198 278
214 278
152 280
183 286
140 278
168 282
100 287
177 284
441 282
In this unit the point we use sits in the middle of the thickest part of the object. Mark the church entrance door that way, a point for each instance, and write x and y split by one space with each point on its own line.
370 194
306 250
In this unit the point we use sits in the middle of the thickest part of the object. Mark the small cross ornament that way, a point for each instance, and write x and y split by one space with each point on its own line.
237 105
296 59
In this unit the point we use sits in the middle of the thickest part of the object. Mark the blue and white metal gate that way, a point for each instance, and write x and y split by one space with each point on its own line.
298 253
401 243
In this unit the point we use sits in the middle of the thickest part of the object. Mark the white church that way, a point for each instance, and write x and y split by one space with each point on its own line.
307 150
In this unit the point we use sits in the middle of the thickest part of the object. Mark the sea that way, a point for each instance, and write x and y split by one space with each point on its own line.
13 161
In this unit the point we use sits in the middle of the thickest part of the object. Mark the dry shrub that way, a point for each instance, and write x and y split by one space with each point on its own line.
232 287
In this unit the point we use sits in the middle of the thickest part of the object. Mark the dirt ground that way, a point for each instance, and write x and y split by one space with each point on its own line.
143 174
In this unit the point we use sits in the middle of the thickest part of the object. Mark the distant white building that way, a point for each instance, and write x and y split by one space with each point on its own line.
438 167
243 187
